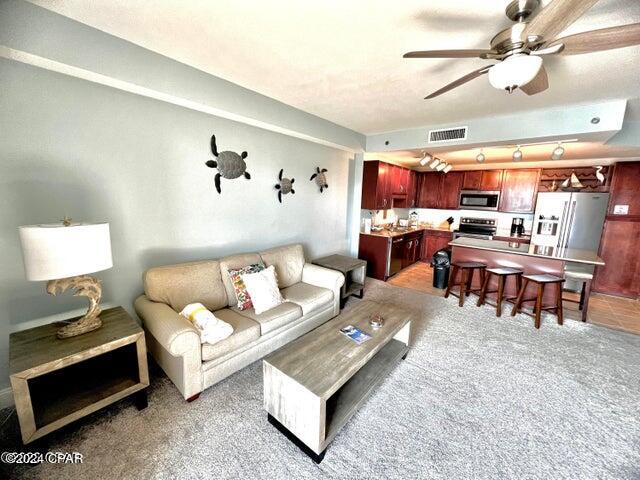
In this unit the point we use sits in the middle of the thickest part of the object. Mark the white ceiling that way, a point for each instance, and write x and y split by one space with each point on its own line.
342 59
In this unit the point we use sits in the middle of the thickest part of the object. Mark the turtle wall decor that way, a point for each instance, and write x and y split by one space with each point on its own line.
320 178
285 186
229 164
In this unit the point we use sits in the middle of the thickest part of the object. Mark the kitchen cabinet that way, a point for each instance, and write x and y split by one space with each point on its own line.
440 190
485 180
412 245
412 197
519 190
432 241
618 248
399 180
376 185
625 187
375 250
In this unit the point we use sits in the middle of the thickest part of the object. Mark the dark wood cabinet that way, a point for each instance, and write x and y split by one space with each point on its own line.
625 188
412 246
486 180
618 248
519 190
440 190
376 194
450 186
432 241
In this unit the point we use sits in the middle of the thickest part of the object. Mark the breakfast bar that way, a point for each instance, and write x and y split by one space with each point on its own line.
532 259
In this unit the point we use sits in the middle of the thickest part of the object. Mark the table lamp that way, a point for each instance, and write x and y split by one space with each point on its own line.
64 254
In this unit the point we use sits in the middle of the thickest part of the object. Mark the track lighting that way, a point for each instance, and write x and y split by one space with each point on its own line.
517 154
557 152
435 163
426 158
441 166
480 157
448 168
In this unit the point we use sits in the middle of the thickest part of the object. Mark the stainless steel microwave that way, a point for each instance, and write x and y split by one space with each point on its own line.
479 200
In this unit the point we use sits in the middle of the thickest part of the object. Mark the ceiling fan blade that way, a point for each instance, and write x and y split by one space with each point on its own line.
556 17
448 54
461 81
598 40
539 84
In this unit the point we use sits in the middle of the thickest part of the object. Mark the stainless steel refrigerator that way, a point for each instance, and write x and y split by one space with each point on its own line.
569 220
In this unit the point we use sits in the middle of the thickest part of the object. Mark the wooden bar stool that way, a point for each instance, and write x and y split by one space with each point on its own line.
503 273
466 270
583 274
541 281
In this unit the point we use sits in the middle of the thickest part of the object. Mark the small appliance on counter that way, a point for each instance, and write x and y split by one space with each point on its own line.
517 227
413 219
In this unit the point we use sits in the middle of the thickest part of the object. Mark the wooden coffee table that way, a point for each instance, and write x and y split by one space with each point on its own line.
313 385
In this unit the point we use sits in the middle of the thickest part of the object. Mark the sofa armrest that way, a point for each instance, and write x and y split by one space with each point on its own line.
171 330
323 277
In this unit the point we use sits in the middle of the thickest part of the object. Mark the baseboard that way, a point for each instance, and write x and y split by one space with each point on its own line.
6 398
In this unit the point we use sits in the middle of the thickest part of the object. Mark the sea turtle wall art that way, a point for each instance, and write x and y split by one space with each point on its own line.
230 165
320 178
284 186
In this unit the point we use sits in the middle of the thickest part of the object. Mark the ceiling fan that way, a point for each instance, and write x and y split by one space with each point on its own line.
520 48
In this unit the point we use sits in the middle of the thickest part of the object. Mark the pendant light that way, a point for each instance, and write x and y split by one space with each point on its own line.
517 154
480 157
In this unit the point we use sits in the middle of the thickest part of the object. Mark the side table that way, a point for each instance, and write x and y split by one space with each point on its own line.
354 271
57 381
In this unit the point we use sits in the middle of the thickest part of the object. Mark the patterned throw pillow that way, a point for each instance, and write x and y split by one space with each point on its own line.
240 289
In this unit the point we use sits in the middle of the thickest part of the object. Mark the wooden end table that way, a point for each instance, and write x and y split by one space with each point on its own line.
57 381
354 271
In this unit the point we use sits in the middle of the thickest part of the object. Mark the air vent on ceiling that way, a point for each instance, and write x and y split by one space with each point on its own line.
447 134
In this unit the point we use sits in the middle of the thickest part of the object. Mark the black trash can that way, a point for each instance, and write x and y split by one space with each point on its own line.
441 263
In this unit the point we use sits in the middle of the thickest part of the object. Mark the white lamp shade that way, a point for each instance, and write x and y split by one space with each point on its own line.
515 71
54 251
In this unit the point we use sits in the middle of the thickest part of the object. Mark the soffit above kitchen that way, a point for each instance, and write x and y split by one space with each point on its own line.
342 61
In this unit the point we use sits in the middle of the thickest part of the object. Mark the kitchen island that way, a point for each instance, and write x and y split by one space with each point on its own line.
531 258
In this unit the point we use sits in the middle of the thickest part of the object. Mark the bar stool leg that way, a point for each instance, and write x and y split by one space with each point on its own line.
452 281
538 307
585 301
501 280
483 291
467 291
463 286
559 311
518 304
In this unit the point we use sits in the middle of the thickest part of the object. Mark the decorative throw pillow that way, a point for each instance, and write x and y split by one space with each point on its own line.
243 297
263 289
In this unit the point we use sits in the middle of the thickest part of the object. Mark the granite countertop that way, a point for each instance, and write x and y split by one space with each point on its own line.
392 234
588 257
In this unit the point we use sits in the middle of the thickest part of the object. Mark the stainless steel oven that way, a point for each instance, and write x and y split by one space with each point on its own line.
479 200
484 228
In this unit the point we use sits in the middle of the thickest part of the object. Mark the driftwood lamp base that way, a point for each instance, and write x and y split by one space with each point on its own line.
86 286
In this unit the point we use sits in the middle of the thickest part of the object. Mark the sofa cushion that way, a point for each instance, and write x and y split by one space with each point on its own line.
275 318
245 331
309 297
185 283
232 262
288 261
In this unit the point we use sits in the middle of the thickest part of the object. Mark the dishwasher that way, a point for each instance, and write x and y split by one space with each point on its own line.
396 255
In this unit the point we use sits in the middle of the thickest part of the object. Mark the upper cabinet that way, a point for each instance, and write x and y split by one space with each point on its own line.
386 186
519 190
624 190
486 180
439 190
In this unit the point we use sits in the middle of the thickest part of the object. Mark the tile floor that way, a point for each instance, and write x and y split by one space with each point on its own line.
613 312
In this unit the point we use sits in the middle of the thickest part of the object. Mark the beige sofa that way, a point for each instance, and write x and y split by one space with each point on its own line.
312 297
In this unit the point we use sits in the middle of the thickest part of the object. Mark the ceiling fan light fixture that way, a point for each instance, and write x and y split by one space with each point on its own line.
480 157
517 155
515 71
434 163
448 168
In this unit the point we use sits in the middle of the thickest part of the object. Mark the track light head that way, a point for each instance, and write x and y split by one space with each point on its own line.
426 158
557 152
480 157
517 154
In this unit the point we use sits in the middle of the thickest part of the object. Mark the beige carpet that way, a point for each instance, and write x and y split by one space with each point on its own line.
478 397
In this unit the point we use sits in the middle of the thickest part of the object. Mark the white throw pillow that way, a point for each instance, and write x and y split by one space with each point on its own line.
263 289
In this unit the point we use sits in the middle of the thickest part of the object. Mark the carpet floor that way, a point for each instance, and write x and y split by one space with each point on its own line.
477 397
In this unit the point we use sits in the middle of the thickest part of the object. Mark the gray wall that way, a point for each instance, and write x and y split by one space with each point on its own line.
94 153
